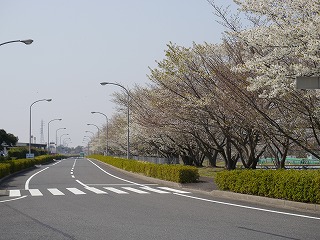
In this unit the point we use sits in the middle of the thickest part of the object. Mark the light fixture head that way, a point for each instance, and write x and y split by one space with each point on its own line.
27 41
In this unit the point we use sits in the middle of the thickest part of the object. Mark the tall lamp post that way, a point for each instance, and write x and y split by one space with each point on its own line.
57 136
57 119
128 113
90 124
27 42
66 134
48 100
107 129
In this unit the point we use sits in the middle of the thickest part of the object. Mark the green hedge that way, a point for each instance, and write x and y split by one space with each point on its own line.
174 173
12 166
294 185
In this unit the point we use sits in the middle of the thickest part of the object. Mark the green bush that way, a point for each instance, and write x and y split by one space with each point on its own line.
4 169
12 166
294 185
174 173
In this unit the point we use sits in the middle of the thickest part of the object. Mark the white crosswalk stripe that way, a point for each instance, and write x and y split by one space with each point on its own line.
173 190
14 193
112 189
153 190
35 192
135 190
95 190
119 190
76 191
55 191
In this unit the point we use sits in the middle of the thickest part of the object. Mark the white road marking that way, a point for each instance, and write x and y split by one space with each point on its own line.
135 190
26 186
121 184
86 186
96 190
153 190
55 191
14 193
115 190
247 207
55 163
9 200
76 191
173 190
35 192
114 175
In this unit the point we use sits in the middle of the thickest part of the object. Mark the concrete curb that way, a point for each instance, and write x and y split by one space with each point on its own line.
271 202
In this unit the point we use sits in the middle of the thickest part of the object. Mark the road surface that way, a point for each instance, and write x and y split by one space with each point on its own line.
78 198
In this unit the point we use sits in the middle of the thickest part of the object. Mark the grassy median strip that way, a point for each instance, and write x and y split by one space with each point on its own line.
173 173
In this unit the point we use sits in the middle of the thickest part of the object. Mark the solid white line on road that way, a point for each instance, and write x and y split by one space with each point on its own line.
153 190
248 207
82 183
135 190
35 192
115 190
55 191
75 191
173 190
9 200
114 175
26 186
14 193
96 190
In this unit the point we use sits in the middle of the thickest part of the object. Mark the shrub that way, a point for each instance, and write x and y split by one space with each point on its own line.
174 173
294 185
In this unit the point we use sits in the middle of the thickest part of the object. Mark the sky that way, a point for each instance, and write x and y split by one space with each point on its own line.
80 43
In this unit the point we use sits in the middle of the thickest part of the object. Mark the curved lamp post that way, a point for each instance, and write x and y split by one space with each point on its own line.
90 132
66 134
128 113
57 136
27 42
48 100
57 119
90 124
107 129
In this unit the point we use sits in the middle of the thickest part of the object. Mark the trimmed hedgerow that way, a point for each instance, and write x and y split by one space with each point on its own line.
294 185
174 173
12 166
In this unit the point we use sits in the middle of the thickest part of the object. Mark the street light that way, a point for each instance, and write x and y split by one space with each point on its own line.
128 112
57 119
57 136
27 42
90 132
66 134
90 124
107 130
48 100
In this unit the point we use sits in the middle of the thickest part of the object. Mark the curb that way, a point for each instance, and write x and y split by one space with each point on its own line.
271 202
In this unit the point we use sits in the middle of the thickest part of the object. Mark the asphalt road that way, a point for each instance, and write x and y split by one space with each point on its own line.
85 199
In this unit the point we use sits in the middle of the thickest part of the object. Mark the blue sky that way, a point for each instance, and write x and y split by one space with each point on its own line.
80 43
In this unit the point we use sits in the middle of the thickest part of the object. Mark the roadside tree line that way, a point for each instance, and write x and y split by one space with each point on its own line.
235 100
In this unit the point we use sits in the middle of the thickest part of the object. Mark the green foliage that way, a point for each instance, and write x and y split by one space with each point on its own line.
12 166
4 169
174 173
294 185
20 152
